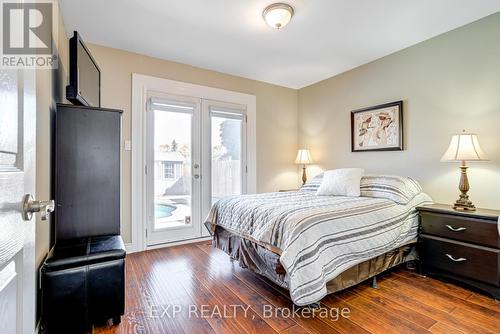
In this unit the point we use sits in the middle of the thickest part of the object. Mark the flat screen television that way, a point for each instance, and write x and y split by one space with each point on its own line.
84 75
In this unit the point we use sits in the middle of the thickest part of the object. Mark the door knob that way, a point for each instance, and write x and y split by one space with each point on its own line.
196 176
30 206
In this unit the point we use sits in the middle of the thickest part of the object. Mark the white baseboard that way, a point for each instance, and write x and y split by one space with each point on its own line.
130 248
178 243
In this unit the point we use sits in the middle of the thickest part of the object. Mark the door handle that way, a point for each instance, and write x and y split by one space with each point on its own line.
31 206
456 229
196 176
460 259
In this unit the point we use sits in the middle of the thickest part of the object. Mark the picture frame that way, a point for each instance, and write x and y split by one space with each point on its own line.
378 128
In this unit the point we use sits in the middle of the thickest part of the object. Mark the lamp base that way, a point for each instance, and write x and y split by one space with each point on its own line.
304 175
464 203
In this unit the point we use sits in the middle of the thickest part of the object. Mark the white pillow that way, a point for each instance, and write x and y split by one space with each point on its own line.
341 182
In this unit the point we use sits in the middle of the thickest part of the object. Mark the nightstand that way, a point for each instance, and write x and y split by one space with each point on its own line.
462 246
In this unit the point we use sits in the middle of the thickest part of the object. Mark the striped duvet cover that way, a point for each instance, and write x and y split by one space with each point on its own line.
318 237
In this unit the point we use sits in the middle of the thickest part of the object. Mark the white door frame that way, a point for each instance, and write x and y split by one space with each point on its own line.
142 85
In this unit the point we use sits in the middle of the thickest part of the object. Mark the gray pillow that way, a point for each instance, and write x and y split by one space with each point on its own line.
400 189
313 184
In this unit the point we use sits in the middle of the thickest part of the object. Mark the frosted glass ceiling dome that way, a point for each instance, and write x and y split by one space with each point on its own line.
278 15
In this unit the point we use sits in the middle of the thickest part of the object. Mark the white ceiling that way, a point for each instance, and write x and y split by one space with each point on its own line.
324 38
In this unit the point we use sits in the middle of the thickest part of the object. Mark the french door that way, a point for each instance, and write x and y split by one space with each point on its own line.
196 150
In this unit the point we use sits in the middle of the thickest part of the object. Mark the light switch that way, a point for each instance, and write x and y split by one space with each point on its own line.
128 145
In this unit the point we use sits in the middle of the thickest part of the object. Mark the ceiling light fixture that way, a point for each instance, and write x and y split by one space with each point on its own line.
278 15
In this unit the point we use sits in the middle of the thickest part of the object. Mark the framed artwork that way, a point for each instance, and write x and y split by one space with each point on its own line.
378 128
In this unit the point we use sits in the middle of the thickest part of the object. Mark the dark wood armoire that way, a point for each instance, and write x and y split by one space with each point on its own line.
87 171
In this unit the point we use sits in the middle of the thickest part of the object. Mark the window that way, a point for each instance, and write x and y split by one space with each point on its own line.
168 170
227 132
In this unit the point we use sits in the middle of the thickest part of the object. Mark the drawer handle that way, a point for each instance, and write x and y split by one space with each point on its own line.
456 229
460 259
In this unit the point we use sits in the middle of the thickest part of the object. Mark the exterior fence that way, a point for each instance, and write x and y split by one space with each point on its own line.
226 180
226 177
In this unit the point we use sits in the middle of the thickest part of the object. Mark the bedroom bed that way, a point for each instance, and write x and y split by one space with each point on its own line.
315 245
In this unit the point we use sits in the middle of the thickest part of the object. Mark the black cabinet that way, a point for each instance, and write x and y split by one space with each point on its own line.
87 171
462 246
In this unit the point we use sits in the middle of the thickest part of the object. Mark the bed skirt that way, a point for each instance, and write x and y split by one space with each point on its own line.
266 263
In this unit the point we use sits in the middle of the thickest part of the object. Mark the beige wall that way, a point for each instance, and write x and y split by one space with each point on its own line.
276 114
50 89
448 83
276 118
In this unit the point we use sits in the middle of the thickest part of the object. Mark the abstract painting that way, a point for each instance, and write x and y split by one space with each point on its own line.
378 128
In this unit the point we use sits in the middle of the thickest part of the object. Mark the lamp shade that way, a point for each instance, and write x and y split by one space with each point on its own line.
464 147
303 157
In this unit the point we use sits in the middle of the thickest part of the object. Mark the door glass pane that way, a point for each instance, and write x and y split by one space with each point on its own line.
172 169
226 157
9 117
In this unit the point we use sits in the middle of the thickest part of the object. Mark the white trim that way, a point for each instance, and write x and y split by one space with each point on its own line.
141 86
178 243
138 186
129 247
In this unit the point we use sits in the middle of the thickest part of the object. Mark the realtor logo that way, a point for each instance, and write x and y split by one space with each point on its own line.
27 34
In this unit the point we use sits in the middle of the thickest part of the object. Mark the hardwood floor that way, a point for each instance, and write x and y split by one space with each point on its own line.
198 289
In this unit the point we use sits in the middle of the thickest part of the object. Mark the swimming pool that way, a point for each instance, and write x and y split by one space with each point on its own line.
163 210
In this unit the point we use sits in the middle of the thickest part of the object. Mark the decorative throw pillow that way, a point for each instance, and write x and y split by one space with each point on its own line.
400 189
313 184
341 182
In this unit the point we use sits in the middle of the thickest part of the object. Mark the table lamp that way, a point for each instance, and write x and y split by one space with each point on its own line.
464 147
303 158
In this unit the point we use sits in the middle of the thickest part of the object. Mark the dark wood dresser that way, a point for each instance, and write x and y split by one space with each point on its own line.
462 246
